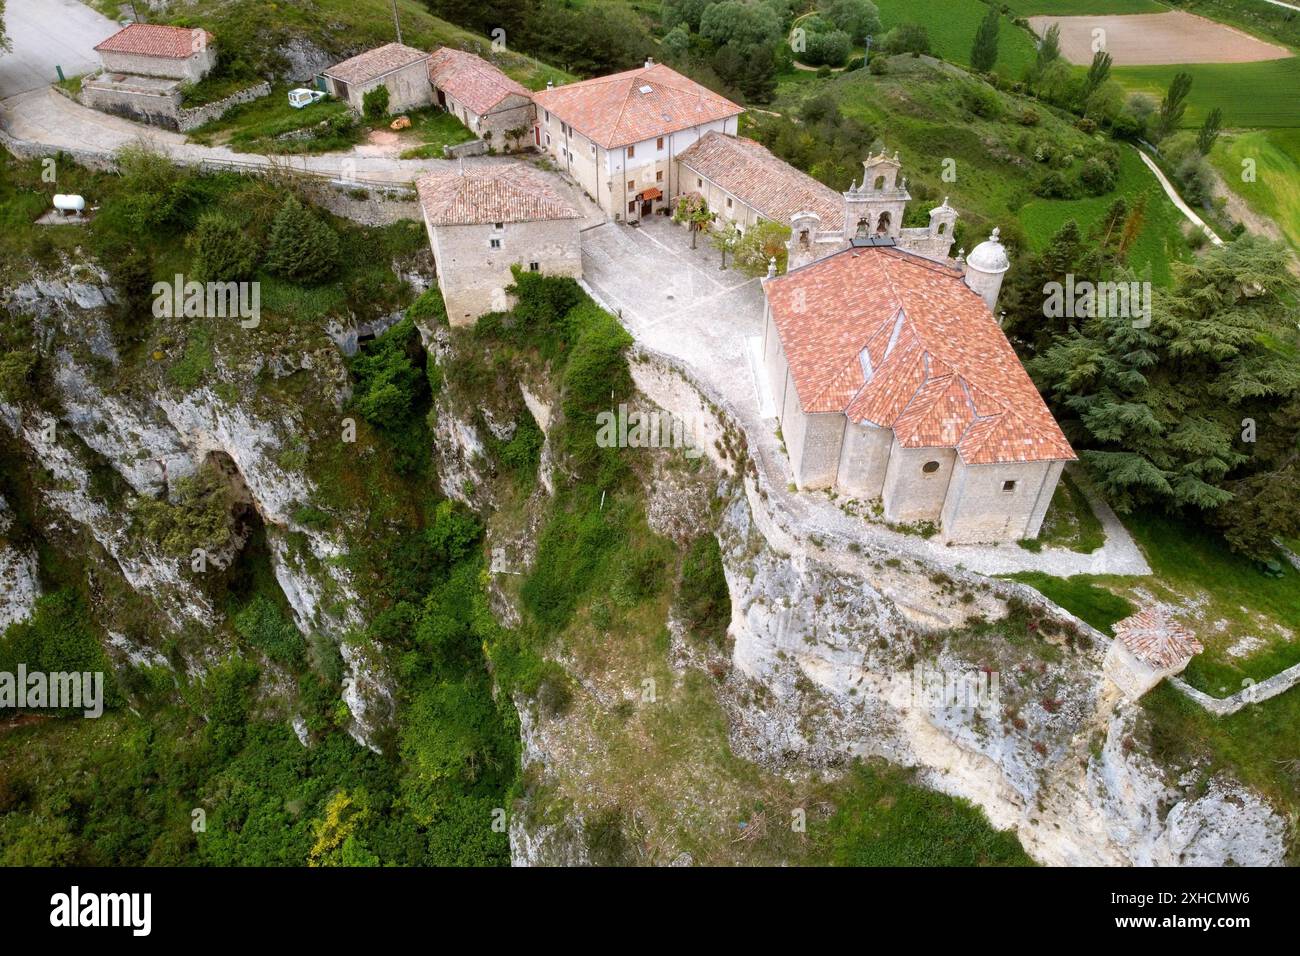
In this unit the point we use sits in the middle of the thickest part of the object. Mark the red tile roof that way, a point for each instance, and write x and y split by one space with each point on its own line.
500 192
1155 639
635 106
942 374
377 62
774 188
156 39
471 80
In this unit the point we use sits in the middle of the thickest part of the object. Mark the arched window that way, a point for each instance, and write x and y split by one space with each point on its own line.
943 226
864 227
882 224
880 183
930 467
803 238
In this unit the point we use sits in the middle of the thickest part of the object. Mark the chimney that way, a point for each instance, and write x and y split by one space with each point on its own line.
550 84
649 62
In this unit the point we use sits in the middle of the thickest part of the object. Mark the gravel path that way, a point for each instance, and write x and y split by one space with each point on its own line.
678 304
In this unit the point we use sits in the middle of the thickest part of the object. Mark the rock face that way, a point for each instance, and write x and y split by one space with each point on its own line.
19 583
153 435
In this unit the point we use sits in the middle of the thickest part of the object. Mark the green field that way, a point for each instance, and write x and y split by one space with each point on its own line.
1275 192
1079 8
1263 94
951 25
1160 240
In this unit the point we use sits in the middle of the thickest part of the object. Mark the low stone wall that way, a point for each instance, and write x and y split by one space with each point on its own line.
1223 706
475 147
193 117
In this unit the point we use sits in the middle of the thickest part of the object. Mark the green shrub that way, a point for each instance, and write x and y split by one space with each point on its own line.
155 194
375 103
302 248
223 252
264 625
703 598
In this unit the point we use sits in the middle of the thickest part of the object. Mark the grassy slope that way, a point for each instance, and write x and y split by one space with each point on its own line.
952 25
1159 242
1275 192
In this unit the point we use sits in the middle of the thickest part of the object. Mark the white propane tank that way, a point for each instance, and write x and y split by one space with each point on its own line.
69 203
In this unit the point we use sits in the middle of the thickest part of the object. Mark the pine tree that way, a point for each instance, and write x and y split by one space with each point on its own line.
222 251
1098 71
984 52
302 248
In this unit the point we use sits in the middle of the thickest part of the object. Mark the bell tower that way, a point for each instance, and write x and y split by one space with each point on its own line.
874 209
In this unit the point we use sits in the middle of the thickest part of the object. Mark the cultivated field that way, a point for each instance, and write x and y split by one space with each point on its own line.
1157 38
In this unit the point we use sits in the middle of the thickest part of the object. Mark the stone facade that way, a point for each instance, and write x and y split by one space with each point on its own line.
614 178
508 127
189 69
473 273
408 88
157 101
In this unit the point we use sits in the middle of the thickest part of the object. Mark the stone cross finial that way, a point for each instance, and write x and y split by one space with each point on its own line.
993 237
771 268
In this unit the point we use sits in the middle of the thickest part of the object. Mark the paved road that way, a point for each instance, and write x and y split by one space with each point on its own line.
53 121
46 33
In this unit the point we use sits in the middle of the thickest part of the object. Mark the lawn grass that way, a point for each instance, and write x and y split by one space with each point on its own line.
1263 94
1275 156
435 129
253 127
1082 596
1194 563
1160 241
951 25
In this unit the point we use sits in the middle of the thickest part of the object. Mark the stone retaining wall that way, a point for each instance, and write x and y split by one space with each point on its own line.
193 117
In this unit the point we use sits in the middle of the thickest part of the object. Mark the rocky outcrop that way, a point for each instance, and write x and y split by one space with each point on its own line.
19 582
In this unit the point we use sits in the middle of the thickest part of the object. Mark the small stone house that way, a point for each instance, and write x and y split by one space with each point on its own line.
892 380
483 219
156 50
1148 647
494 107
403 69
618 136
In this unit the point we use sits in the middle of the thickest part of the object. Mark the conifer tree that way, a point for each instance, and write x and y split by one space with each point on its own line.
984 52
302 248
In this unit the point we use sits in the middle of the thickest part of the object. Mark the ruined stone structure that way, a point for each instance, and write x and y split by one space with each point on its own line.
1148 647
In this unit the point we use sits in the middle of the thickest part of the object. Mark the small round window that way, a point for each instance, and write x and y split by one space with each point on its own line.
930 467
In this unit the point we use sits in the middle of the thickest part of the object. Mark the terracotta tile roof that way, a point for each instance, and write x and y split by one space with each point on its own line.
505 192
635 106
1155 639
899 341
377 62
769 185
472 80
155 39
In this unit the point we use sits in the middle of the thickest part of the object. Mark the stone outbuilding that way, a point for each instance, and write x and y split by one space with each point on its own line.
494 107
483 219
403 69
892 380
156 50
1148 647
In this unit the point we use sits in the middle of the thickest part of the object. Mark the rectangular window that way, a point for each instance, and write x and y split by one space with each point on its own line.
631 184
494 243
498 226
728 202
564 128
534 267
699 184
548 139
631 207
631 151
1008 486
660 144
593 149
659 176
